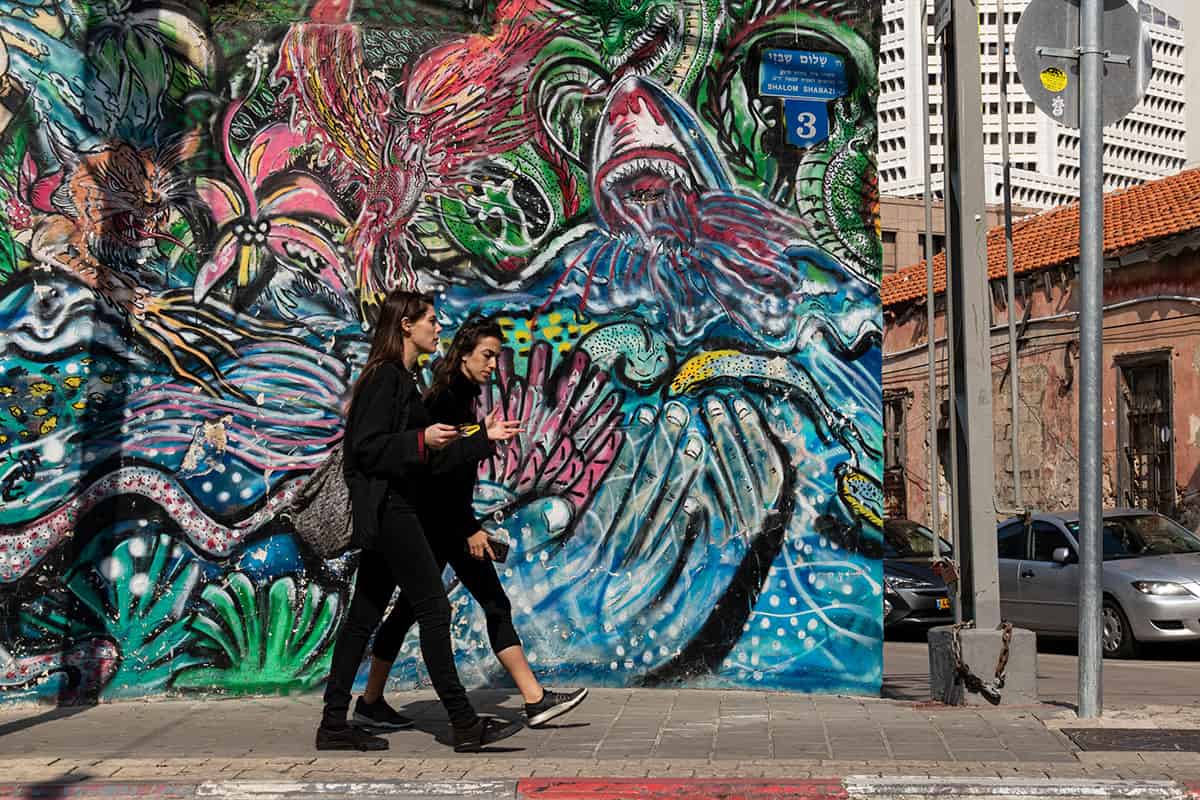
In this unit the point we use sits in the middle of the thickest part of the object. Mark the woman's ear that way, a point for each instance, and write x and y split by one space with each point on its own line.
406 326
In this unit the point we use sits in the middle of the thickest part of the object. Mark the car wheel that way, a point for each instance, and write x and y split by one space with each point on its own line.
1116 635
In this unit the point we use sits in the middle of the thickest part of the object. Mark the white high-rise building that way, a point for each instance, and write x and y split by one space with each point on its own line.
1150 142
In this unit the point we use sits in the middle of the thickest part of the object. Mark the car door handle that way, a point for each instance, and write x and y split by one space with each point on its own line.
1028 573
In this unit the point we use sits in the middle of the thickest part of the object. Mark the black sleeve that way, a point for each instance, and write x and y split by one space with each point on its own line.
378 440
459 499
458 464
466 451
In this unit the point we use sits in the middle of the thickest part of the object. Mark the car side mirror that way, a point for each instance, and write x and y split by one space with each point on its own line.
1062 555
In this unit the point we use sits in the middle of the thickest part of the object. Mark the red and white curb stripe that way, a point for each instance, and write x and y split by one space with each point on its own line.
852 787
873 788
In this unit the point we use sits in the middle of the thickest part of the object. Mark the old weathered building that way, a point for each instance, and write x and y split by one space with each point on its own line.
1151 360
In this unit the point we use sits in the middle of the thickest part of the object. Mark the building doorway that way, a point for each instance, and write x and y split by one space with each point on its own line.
1145 432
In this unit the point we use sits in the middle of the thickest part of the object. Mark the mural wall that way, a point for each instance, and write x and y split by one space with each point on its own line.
671 206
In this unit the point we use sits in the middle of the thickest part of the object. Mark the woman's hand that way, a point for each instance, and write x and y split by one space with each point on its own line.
439 435
478 547
501 430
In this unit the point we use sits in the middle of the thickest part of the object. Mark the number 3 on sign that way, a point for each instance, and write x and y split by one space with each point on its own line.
807 122
806 125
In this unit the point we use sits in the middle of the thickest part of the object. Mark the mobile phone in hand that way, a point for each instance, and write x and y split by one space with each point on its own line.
499 549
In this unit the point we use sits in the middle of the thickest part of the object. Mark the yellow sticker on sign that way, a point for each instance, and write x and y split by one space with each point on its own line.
1054 79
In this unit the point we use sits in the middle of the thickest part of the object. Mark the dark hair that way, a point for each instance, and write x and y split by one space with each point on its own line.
387 345
466 339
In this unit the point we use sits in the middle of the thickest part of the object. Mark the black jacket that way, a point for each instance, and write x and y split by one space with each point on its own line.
447 506
384 449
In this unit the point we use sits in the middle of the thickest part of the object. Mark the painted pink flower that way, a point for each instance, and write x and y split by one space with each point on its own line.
268 211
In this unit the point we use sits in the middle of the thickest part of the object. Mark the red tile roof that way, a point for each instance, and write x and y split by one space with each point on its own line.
1134 216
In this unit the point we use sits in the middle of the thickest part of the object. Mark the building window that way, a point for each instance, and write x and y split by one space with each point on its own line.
939 243
1145 432
889 249
895 494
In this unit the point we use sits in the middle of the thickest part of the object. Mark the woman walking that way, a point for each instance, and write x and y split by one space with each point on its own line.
391 442
457 538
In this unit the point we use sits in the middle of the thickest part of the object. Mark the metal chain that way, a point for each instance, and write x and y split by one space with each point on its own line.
972 682
1002 661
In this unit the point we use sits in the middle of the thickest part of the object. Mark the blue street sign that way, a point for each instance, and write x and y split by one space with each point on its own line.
807 122
802 75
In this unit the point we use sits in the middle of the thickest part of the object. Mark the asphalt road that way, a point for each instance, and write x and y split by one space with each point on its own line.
1165 676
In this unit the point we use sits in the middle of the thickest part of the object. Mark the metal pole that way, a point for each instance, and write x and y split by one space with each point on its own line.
951 348
1014 375
930 298
972 363
1091 289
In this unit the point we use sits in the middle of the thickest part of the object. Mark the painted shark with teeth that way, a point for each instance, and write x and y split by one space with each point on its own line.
673 239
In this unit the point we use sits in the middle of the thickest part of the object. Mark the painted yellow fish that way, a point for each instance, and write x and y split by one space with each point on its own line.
48 425
40 389
860 493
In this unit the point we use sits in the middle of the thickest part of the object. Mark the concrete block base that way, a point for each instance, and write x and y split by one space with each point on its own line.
980 650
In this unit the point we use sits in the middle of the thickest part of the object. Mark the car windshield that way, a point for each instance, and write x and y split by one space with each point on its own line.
907 539
1143 535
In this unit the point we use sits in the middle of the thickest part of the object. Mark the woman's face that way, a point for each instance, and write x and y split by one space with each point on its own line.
423 331
480 364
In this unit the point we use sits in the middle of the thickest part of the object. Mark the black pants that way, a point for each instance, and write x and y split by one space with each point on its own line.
401 557
480 579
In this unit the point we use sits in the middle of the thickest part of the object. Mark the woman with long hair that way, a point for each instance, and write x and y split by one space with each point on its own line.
458 538
391 443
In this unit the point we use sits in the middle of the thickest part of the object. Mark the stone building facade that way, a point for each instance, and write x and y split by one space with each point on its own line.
1151 360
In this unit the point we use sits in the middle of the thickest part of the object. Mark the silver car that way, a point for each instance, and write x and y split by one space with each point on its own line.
1151 578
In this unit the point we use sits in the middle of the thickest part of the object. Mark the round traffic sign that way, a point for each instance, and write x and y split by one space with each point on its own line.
1046 52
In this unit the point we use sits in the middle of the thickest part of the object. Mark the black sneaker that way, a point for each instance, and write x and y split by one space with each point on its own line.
485 731
379 716
552 704
348 738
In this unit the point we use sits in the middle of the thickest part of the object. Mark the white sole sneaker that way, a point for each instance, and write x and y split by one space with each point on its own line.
556 711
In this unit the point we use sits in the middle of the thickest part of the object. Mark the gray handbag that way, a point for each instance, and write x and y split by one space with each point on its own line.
321 511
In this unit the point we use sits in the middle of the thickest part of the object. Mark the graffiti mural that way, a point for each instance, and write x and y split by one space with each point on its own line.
670 207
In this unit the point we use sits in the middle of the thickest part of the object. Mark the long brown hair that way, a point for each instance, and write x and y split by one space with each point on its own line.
466 339
387 345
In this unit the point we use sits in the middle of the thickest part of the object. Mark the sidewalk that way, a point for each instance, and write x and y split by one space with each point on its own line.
829 742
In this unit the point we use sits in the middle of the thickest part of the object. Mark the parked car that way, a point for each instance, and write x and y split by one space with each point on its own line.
913 595
1150 578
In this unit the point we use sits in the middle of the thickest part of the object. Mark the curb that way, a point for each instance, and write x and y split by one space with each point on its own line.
871 788
851 787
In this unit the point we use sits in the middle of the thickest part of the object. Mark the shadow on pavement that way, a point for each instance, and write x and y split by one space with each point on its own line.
428 716
906 634
1150 651
50 715
53 788
912 686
